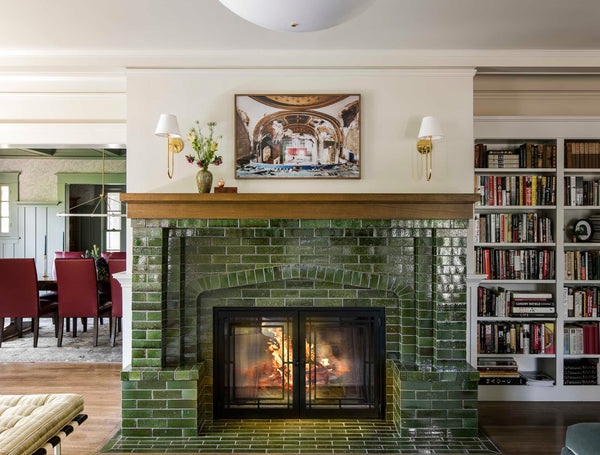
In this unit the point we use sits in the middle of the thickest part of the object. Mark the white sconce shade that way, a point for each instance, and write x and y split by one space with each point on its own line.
167 126
297 15
430 127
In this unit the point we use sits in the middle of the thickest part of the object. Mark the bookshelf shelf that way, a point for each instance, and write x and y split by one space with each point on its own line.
581 282
513 208
571 171
524 171
515 245
508 319
518 356
519 281
581 319
581 245
581 356
497 137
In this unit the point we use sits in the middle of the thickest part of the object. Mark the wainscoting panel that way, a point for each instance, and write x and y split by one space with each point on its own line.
36 223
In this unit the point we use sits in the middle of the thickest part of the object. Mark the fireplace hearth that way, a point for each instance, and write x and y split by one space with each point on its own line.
299 362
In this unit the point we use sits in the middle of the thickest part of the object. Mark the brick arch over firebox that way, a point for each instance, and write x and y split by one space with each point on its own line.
303 271
373 290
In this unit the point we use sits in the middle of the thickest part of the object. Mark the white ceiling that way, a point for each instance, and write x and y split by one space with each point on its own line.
182 25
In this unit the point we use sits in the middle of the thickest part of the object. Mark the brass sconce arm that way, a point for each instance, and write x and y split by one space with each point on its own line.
175 145
424 147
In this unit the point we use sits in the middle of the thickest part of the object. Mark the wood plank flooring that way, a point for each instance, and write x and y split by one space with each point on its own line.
99 383
516 428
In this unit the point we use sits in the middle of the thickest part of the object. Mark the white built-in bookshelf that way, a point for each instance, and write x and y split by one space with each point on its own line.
510 132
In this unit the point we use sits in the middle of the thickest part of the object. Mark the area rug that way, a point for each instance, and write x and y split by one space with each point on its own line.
78 349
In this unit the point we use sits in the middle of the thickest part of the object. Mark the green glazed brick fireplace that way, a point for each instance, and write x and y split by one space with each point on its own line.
184 267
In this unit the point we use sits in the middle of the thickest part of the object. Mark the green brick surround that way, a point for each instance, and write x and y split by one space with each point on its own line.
415 269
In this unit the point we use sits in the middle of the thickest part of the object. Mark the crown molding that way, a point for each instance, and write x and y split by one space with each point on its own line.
323 58
308 72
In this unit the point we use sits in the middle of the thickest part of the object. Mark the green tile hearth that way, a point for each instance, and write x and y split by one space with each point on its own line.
301 436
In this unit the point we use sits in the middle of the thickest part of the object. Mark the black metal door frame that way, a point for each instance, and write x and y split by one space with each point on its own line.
299 408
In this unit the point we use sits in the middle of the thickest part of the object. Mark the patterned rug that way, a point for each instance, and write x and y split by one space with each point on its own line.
78 349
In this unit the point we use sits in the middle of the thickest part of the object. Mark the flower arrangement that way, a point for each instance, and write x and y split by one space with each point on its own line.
205 146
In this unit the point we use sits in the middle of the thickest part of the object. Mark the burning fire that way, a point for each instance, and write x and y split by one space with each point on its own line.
319 369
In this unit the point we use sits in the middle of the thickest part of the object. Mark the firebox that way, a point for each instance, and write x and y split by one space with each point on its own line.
299 362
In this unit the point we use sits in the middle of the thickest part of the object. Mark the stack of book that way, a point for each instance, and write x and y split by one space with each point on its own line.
595 222
493 371
515 338
581 192
505 264
513 228
582 265
527 155
530 190
581 372
581 338
532 305
581 302
502 303
582 154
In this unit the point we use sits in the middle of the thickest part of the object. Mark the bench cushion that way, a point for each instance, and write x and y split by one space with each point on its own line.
27 422
583 438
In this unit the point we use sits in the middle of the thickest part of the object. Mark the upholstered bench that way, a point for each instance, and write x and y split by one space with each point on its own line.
36 424
582 439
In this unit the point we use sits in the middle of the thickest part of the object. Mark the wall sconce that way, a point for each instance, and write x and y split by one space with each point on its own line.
169 128
430 131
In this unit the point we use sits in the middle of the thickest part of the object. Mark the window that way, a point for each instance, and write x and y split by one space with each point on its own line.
9 188
113 222
4 209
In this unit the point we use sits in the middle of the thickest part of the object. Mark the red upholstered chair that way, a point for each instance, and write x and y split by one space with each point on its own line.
116 266
113 255
78 293
19 296
65 255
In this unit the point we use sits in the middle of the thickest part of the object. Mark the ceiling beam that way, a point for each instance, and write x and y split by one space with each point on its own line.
39 152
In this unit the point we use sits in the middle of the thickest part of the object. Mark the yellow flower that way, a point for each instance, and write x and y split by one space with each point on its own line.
213 147
191 137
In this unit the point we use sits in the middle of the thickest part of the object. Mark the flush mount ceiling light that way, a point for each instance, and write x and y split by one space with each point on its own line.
297 15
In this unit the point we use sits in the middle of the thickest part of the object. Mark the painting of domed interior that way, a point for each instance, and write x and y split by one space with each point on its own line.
297 136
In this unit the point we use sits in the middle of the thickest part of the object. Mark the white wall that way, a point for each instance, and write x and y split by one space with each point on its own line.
393 103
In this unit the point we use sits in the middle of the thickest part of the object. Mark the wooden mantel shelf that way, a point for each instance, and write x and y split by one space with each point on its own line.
300 205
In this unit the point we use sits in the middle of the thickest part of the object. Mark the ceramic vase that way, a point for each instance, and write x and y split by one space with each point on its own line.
204 180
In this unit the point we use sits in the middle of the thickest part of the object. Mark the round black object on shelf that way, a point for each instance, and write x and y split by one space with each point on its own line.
583 230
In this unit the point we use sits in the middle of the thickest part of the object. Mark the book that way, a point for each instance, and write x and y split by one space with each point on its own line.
537 379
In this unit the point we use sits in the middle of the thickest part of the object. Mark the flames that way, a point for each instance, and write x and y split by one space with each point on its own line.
322 367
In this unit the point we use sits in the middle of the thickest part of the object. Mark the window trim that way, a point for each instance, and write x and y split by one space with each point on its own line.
11 179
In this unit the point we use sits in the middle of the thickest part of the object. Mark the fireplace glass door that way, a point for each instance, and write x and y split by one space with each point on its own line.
298 362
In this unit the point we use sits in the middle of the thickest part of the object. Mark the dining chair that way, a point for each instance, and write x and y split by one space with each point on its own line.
20 298
65 255
78 294
108 255
116 266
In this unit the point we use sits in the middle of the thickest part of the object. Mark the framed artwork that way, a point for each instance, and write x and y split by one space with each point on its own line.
297 136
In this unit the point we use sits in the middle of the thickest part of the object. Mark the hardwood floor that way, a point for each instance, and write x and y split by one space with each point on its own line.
516 428
99 383
533 428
